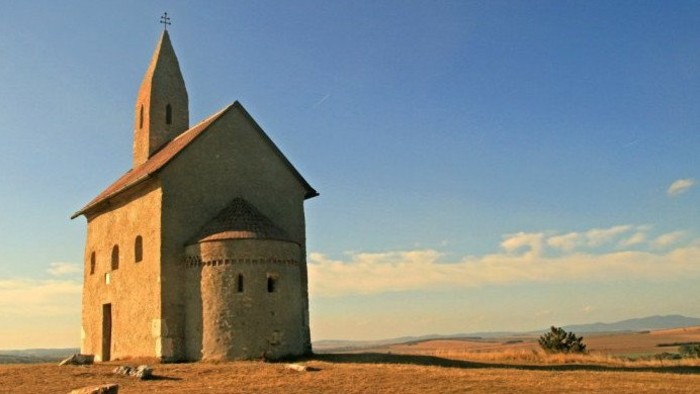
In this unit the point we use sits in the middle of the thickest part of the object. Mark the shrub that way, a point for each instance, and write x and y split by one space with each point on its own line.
667 356
557 340
690 350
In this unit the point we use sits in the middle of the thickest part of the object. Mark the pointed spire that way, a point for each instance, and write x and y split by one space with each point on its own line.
162 111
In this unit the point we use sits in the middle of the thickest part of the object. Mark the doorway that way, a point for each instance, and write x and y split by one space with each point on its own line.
106 332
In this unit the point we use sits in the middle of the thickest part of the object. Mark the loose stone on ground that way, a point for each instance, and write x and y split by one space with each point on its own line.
78 359
142 371
300 368
111 388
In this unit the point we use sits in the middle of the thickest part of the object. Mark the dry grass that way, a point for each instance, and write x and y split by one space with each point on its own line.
508 365
609 349
539 357
360 373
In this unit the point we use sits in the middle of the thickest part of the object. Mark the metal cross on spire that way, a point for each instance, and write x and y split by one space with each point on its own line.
165 20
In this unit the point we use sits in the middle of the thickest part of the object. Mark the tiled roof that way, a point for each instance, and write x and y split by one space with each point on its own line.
154 163
240 220
161 158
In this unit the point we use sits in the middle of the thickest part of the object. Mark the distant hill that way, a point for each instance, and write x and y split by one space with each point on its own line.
342 344
33 356
641 324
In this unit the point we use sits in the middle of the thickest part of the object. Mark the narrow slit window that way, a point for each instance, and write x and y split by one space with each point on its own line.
138 249
115 257
271 284
168 114
239 283
92 263
141 118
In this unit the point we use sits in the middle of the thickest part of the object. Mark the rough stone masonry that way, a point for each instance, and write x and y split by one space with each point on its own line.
199 250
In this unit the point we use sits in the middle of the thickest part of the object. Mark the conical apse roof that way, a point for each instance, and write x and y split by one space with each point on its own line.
240 220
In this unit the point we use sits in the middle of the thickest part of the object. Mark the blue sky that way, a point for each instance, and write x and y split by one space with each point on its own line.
495 165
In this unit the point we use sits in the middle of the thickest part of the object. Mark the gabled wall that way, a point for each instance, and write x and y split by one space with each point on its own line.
133 290
231 159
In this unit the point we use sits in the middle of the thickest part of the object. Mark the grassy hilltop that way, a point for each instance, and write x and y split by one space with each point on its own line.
431 366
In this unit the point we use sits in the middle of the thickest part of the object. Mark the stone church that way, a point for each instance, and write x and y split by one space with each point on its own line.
198 251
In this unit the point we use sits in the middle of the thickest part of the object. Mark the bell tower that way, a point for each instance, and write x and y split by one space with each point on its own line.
162 110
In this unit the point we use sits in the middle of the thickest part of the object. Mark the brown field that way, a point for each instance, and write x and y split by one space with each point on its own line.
425 367
632 345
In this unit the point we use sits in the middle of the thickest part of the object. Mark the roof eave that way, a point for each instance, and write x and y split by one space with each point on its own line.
206 124
106 199
311 194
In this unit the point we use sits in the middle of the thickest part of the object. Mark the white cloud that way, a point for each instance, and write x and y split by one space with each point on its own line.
637 238
520 261
62 269
35 298
668 239
565 242
601 236
680 186
530 241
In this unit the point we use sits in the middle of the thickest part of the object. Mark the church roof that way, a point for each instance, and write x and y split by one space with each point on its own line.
240 220
167 153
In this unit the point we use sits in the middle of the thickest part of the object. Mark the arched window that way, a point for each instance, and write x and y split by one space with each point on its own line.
141 117
239 283
92 263
138 249
168 114
115 257
271 284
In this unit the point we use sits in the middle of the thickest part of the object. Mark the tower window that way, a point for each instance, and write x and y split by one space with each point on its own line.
141 117
271 284
138 249
92 263
115 257
168 114
239 283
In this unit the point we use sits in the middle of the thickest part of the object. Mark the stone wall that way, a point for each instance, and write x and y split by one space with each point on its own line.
244 300
162 85
230 160
133 289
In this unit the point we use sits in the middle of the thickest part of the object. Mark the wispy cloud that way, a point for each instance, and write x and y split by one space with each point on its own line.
638 238
321 101
523 258
566 242
601 236
680 186
531 242
35 298
624 235
63 269
668 239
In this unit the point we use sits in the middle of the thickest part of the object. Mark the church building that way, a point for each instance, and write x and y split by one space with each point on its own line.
198 252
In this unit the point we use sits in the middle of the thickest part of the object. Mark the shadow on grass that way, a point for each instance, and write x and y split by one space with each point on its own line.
161 377
409 359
